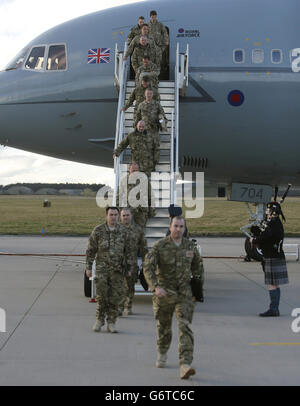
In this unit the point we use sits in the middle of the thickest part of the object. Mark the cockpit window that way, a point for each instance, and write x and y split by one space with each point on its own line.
18 60
35 59
56 57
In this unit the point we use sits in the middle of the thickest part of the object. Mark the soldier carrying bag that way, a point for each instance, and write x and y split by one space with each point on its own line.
142 279
197 289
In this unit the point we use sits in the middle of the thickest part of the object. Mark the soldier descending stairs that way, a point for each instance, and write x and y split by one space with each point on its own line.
163 180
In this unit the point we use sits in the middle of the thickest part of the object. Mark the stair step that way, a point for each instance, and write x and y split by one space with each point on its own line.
164 137
151 241
160 196
163 190
162 168
162 203
168 106
165 147
162 162
129 124
162 83
161 212
156 232
129 113
158 222
163 158
166 83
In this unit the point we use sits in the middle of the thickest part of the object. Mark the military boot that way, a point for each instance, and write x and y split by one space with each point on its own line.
186 371
111 328
161 360
97 326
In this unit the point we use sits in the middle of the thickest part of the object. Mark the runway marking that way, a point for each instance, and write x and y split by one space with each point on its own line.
275 344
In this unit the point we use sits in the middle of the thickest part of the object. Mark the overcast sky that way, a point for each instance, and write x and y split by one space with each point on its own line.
20 22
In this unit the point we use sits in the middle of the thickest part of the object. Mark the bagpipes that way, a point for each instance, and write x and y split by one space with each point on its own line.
274 207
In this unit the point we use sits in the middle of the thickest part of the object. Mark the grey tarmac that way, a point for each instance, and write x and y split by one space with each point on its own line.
49 339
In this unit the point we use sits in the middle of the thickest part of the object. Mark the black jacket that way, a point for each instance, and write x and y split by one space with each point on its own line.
271 239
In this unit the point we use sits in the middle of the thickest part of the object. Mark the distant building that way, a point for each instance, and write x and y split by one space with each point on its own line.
19 190
70 192
47 191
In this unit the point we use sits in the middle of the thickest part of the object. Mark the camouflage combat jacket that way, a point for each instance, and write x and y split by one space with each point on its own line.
138 240
144 148
112 249
151 70
171 267
136 41
138 94
151 113
140 51
126 185
136 30
159 33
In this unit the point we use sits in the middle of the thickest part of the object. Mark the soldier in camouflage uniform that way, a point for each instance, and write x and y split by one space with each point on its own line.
152 113
140 50
148 68
142 210
161 37
109 243
136 40
136 30
168 269
138 95
139 246
144 148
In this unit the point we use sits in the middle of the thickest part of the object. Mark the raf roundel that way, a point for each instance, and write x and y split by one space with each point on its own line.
236 98
181 30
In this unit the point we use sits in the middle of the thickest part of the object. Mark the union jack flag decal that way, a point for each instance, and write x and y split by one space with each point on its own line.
99 55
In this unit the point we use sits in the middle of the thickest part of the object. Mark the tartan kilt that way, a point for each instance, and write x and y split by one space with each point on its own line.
275 271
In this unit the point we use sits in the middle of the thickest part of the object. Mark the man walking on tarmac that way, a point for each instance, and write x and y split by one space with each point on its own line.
110 244
168 269
139 247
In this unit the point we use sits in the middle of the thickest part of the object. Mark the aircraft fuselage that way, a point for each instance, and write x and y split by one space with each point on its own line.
234 46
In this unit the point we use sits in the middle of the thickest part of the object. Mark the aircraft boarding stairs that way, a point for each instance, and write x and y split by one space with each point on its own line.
163 182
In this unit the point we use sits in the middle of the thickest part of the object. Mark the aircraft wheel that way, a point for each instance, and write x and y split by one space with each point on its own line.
253 252
87 286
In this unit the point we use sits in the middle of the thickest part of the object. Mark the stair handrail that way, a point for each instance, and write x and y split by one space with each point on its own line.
181 82
172 174
186 66
123 69
175 126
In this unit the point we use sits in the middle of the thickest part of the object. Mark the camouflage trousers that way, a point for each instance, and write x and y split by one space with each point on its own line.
109 289
163 309
140 215
147 167
127 298
154 133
